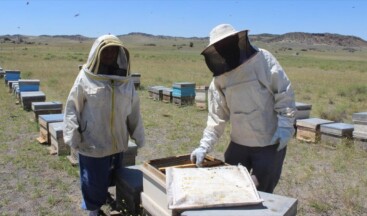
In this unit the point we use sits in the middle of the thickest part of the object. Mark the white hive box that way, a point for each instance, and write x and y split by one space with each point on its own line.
156 92
360 129
336 133
308 130
58 145
303 110
154 197
167 95
201 97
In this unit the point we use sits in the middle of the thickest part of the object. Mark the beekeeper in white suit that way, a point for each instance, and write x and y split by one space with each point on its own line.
101 113
250 90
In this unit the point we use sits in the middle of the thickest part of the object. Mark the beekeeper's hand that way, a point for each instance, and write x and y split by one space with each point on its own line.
198 155
282 136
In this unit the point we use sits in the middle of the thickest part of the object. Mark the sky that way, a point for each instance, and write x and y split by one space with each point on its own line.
181 18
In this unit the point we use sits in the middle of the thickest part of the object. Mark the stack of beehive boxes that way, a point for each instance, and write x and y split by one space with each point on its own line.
44 124
360 129
183 93
308 130
336 133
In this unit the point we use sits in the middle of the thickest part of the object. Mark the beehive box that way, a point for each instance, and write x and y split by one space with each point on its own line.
27 98
13 75
44 122
183 89
155 93
303 110
360 125
46 107
154 180
136 79
308 130
167 95
73 157
336 133
29 85
201 97
129 185
58 145
154 197
15 90
10 85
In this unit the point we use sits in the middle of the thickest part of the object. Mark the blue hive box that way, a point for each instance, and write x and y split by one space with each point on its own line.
11 75
29 85
183 89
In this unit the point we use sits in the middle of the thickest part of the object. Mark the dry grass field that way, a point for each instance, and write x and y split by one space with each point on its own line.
326 180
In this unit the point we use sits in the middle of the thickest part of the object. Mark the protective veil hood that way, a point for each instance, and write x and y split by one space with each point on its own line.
238 49
93 62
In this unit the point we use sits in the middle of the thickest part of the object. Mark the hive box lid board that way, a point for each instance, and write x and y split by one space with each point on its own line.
303 106
360 117
312 122
29 81
52 117
32 94
183 85
46 105
339 129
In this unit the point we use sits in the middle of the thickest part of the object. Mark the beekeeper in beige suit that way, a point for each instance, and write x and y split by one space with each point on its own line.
250 90
101 113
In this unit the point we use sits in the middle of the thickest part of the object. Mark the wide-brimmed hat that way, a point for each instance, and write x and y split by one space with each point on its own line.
220 32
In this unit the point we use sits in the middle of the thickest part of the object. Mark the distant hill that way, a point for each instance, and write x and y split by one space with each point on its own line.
301 38
318 39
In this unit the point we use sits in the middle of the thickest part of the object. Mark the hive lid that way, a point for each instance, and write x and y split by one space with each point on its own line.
46 105
360 117
183 85
190 188
31 94
339 129
303 106
52 117
312 122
